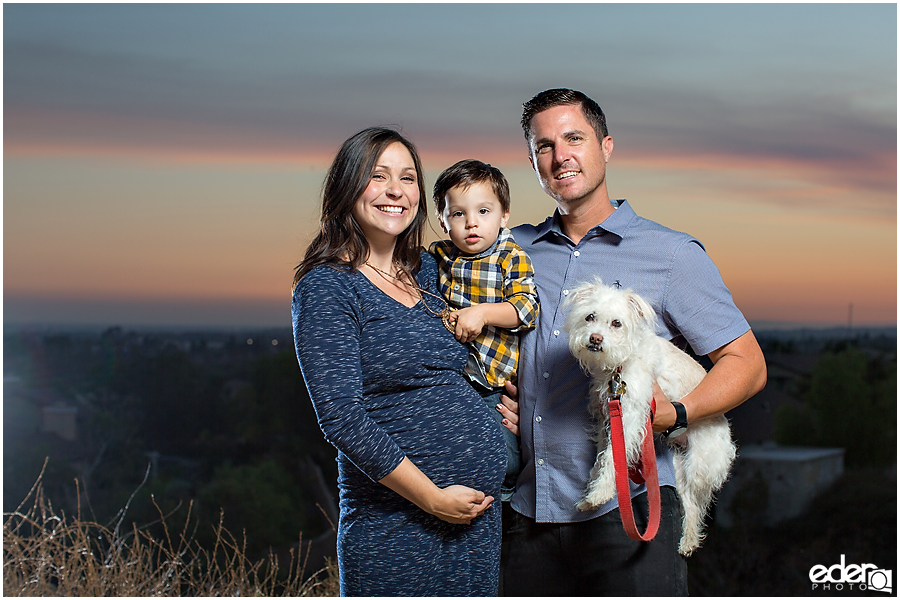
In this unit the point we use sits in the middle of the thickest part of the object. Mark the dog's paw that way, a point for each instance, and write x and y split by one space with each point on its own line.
691 536
594 500
687 545
597 494
585 505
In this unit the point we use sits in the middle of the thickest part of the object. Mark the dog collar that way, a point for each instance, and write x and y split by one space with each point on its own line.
616 385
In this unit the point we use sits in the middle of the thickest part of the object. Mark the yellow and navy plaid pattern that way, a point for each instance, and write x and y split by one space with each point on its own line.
502 273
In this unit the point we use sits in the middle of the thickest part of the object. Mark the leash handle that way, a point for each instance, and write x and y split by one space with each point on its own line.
647 470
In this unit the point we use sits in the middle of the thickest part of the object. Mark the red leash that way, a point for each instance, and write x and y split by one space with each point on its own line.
646 469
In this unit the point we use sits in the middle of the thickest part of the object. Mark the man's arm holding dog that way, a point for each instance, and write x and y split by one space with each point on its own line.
739 372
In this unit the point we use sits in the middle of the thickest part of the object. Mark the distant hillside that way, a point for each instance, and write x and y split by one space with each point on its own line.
786 331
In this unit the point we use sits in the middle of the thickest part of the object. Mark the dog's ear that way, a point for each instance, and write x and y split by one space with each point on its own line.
642 309
582 292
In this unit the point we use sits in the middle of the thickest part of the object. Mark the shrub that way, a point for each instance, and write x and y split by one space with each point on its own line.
50 554
850 404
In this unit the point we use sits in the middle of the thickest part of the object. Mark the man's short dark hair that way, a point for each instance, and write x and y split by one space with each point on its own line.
465 173
564 97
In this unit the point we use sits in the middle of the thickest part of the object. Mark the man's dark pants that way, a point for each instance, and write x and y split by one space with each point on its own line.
594 557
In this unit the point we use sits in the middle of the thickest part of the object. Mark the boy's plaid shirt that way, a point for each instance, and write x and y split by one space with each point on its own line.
502 273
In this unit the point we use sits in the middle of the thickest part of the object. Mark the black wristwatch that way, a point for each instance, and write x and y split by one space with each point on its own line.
681 423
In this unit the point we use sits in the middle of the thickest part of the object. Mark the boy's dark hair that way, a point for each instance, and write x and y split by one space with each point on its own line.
563 97
465 173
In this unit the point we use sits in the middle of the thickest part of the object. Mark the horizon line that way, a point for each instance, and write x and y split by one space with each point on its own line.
758 326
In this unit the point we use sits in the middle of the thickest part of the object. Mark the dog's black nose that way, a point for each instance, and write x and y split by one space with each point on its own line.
596 339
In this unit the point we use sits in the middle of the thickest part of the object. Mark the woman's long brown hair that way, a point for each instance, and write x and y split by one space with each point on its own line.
340 241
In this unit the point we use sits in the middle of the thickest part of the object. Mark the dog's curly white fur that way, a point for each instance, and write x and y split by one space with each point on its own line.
610 328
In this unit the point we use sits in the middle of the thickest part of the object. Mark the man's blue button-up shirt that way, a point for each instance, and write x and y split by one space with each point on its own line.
672 271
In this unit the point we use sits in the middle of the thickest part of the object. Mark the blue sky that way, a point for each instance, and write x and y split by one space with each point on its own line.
172 154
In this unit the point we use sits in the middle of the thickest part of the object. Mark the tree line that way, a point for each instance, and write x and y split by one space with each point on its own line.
222 432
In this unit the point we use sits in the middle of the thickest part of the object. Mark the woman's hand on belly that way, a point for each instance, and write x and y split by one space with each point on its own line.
455 504
461 504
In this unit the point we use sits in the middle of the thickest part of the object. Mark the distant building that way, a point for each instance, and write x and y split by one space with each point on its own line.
772 483
60 419
753 422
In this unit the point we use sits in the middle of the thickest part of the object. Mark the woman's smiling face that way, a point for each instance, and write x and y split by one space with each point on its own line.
390 201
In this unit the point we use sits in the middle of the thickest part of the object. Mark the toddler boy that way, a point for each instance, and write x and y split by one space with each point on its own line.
490 280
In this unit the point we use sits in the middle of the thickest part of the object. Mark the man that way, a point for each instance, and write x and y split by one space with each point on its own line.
550 547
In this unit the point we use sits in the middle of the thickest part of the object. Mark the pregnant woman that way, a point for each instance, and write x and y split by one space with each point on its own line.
420 459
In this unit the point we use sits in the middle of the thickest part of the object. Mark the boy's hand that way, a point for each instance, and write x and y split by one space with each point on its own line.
469 322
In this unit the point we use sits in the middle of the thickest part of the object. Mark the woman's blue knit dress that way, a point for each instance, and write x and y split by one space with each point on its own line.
387 382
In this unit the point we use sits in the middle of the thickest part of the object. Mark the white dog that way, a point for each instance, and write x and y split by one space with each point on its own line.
610 328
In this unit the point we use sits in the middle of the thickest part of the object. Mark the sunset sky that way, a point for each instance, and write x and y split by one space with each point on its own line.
162 163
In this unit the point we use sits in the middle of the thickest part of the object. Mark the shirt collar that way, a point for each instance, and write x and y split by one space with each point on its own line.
616 224
503 238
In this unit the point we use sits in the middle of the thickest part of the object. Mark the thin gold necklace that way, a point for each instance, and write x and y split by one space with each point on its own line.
443 314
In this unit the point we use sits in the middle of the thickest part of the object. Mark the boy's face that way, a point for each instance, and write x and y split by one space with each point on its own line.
473 217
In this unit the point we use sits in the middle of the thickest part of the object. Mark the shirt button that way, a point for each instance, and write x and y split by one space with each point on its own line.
576 254
456 287
546 375
537 419
540 461
565 292
556 332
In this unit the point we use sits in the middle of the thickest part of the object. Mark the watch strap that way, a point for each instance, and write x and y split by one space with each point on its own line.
680 418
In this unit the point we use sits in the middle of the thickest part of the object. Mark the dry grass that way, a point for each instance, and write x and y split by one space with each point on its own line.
48 554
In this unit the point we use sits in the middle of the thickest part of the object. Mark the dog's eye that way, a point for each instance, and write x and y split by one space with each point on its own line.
590 317
616 323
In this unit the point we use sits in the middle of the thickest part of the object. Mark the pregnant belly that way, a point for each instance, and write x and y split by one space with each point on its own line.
452 438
